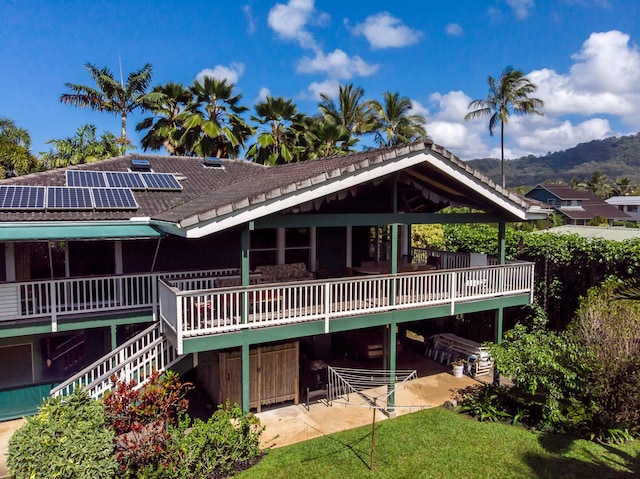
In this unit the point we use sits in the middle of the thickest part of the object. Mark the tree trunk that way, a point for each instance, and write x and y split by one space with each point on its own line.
504 185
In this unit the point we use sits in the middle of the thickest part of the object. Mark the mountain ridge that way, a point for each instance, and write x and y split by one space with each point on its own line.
614 157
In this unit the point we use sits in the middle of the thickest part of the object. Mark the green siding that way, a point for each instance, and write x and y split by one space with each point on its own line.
22 402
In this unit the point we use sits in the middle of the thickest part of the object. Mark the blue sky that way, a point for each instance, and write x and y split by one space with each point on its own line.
582 54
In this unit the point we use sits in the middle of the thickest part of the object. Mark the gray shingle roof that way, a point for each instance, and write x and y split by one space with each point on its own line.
211 192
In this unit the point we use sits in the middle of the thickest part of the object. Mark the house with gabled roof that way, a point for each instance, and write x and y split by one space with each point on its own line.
576 207
144 262
627 204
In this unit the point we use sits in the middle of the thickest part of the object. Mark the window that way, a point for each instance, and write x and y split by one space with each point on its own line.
263 248
632 209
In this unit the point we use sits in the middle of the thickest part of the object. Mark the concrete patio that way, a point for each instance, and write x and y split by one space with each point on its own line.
289 424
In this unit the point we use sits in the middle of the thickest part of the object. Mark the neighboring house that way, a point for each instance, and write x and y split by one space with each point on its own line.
230 267
576 207
628 204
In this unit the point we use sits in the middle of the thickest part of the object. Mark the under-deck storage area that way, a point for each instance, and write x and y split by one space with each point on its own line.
273 375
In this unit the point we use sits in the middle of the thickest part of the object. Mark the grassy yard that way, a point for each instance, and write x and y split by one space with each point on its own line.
437 443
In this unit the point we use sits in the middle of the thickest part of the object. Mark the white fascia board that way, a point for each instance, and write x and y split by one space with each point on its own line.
492 195
328 187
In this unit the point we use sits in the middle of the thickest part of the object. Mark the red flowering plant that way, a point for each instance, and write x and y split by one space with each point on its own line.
139 417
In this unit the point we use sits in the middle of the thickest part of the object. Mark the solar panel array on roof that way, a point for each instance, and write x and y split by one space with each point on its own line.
85 178
22 197
114 199
122 179
160 181
69 198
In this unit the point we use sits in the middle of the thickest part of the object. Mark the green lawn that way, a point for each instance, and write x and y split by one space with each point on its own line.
437 443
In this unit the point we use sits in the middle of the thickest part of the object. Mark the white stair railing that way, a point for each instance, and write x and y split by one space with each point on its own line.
134 360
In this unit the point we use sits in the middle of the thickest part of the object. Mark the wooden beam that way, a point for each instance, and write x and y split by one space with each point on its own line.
375 219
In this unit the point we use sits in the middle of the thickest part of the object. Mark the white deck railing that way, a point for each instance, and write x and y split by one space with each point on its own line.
72 296
220 310
448 259
134 360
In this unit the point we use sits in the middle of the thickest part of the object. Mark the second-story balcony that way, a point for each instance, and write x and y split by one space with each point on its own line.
188 312
192 304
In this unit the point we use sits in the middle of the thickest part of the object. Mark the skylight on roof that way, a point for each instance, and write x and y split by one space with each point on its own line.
139 164
212 162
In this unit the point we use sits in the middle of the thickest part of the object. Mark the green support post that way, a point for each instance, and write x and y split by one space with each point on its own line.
245 377
114 337
244 278
244 271
244 261
502 260
500 311
392 368
394 262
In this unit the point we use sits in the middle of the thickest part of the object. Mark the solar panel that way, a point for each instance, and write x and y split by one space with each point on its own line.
85 178
69 198
114 199
121 179
160 181
22 197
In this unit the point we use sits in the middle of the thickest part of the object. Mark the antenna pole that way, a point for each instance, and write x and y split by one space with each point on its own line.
120 63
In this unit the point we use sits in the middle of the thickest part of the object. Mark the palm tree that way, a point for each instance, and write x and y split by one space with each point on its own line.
15 157
351 112
276 144
167 102
598 184
84 147
111 95
623 186
212 123
394 122
326 138
510 94
577 183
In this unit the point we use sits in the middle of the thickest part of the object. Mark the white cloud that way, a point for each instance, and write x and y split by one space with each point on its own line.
453 29
607 62
251 24
328 87
520 7
559 135
290 20
603 83
604 80
262 95
336 65
383 30
232 73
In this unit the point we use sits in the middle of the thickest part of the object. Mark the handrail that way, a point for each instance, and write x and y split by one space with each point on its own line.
220 310
101 370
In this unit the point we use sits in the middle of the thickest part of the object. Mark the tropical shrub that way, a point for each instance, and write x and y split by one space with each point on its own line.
484 402
610 331
548 370
227 442
566 266
428 236
140 417
66 439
